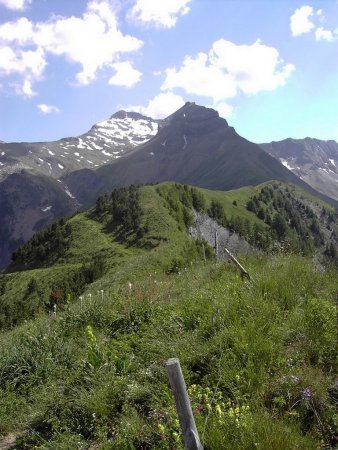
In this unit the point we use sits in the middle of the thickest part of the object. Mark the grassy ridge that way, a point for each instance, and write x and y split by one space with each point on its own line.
260 359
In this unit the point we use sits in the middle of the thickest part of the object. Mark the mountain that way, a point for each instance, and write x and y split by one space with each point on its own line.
103 143
193 146
312 160
32 192
28 202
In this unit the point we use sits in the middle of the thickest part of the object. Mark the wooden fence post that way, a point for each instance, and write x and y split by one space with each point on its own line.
204 254
182 401
244 273
216 245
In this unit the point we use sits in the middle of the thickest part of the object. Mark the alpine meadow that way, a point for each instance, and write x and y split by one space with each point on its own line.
168 225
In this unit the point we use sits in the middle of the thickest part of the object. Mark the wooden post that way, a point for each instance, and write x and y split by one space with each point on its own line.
241 268
204 255
182 401
216 246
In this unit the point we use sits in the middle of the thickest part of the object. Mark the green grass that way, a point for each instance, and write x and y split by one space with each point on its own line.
260 359
245 342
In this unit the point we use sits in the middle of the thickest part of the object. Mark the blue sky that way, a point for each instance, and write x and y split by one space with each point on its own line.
270 67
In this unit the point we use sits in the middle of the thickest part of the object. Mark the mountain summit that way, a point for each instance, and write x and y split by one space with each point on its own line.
193 146
103 143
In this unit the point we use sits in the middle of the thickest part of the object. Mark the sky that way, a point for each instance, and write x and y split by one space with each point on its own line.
269 67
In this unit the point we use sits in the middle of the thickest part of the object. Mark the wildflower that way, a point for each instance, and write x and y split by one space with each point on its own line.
198 410
176 437
295 379
161 428
306 394
218 410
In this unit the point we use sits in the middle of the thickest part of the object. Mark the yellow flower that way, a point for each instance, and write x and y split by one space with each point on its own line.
161 428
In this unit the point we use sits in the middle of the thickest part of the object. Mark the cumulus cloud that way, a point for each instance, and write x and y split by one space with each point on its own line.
161 106
18 5
47 109
92 41
229 69
300 21
305 19
325 35
31 63
162 13
125 75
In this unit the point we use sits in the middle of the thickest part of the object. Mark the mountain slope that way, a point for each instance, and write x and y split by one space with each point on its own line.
313 160
103 143
151 223
28 202
128 295
193 146
24 166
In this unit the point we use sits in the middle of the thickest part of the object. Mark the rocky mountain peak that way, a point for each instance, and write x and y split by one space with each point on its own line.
122 114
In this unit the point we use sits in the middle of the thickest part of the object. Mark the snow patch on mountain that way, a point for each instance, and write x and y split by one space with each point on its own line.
286 164
102 144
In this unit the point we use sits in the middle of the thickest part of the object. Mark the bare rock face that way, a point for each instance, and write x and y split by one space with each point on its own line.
206 228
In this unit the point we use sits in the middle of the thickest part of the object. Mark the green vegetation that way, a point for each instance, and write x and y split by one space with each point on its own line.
299 225
44 248
260 359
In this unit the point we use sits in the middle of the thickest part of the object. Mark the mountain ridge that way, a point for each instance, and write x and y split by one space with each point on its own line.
313 160
192 146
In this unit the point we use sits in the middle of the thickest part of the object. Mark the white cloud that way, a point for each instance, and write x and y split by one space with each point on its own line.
15 4
300 21
325 35
92 41
27 90
228 69
30 63
161 13
303 21
160 106
19 32
223 109
47 109
125 75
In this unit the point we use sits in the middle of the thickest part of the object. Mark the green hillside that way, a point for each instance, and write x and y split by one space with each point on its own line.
131 290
